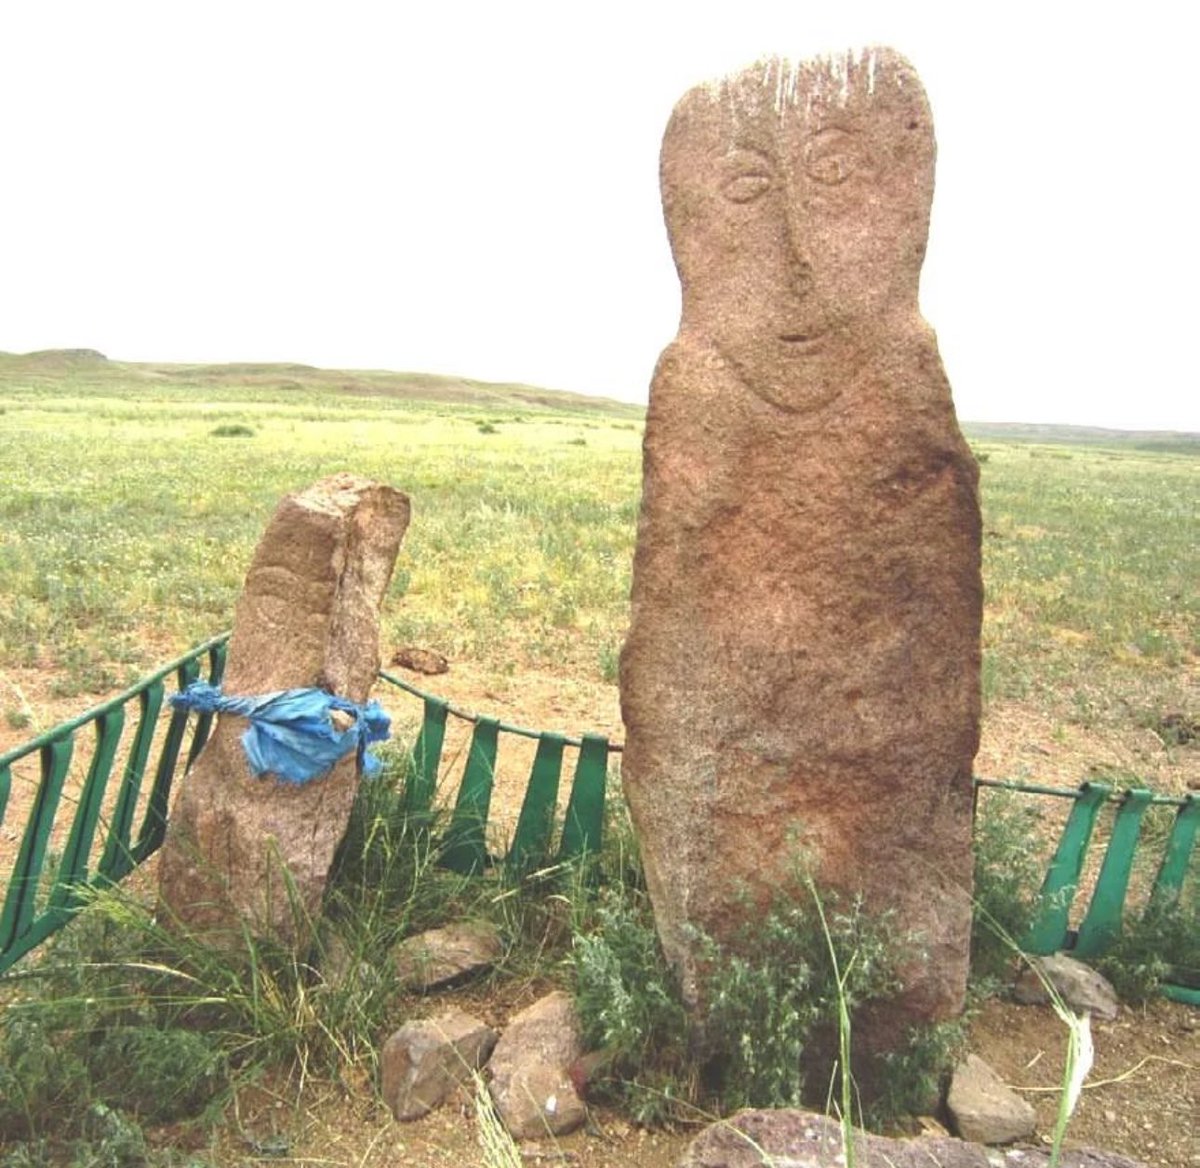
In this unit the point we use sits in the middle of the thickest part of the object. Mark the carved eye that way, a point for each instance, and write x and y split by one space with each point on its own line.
832 169
833 156
745 188
746 173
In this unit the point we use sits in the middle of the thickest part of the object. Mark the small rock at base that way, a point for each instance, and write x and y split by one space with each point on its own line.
983 1109
530 1069
802 1139
1079 985
441 956
425 1060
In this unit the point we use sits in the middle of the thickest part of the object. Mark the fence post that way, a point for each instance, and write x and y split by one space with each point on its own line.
1049 930
1103 919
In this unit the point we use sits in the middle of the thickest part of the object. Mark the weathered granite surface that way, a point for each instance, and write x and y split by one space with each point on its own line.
308 616
802 667
531 1079
984 1109
427 1059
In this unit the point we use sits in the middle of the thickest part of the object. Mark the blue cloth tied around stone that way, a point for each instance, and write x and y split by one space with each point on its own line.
291 733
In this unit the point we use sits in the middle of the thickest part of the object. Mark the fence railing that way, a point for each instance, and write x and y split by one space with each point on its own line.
46 884
1102 916
465 845
44 888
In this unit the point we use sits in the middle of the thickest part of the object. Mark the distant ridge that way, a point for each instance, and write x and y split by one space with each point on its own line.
1184 441
93 368
57 356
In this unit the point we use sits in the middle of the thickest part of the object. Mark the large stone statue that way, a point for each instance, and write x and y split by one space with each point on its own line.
801 676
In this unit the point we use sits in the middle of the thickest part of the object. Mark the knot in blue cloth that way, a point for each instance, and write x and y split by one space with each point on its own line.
292 732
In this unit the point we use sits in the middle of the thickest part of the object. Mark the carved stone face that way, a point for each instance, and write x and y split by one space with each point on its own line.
797 201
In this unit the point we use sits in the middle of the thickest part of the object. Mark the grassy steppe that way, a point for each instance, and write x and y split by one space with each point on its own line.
131 497
131 506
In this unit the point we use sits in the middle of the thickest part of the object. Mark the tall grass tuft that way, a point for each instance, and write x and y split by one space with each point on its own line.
1163 944
126 1009
498 1147
842 1069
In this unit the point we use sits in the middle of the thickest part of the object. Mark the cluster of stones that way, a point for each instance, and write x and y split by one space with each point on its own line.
982 1107
537 1070
532 1069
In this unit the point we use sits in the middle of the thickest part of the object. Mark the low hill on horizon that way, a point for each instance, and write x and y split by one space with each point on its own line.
1180 441
53 364
96 369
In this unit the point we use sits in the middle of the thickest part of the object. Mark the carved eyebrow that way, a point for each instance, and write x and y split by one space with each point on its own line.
835 127
751 148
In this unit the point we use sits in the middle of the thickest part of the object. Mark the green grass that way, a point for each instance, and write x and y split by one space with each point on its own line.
117 1004
121 513
780 1005
131 498
1090 561
123 1017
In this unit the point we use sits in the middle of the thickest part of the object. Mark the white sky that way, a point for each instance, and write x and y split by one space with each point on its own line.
472 188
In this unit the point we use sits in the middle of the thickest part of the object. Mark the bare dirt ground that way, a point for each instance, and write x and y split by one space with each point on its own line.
1143 1097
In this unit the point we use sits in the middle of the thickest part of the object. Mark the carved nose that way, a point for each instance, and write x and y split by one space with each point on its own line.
797 228
800 276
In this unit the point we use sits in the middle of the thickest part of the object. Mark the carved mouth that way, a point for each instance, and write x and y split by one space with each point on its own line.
802 341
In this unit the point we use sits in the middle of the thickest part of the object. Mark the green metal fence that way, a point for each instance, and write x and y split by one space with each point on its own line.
49 877
40 900
464 845
1101 918
42 895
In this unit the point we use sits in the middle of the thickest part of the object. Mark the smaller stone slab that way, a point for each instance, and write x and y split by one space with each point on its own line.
531 1083
425 1061
984 1109
441 957
1079 986
246 851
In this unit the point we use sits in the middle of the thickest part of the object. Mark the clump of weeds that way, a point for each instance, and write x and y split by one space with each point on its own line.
779 1007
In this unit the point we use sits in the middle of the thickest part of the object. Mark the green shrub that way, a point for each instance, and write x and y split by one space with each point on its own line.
232 430
1007 881
18 719
773 1015
631 1011
162 1075
107 1139
41 1076
124 1011
98 1025
1161 945
110 1140
610 663
911 1079
772 1006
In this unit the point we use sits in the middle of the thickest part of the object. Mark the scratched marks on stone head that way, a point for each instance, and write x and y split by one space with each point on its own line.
797 200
